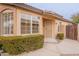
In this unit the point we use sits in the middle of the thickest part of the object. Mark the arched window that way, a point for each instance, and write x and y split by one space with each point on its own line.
7 22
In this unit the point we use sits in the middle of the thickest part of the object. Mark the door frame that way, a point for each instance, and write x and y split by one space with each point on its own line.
44 29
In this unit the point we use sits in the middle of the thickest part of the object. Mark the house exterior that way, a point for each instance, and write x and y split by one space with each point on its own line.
21 19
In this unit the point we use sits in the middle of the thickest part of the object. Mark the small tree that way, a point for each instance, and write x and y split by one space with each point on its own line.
75 18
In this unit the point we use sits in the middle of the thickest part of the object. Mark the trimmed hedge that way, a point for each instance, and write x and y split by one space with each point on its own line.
60 36
0 46
17 44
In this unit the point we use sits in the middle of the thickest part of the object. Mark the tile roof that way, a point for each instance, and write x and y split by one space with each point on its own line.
39 11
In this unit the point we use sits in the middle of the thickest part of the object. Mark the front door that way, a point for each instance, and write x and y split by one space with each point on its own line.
48 29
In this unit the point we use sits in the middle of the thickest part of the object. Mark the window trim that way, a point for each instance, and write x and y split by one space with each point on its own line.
30 24
3 27
59 26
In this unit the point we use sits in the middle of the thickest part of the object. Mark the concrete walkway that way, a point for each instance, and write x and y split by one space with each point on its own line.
50 40
49 49
66 47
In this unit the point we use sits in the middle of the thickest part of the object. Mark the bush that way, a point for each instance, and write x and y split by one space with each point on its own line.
17 44
0 46
60 36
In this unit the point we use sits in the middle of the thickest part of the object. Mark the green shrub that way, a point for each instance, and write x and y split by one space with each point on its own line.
0 46
60 36
17 44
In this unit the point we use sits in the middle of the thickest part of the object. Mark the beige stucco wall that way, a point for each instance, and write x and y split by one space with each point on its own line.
53 28
16 18
20 11
49 28
78 32
4 7
17 26
63 30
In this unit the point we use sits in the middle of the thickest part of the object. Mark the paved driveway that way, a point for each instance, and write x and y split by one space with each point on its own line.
66 47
